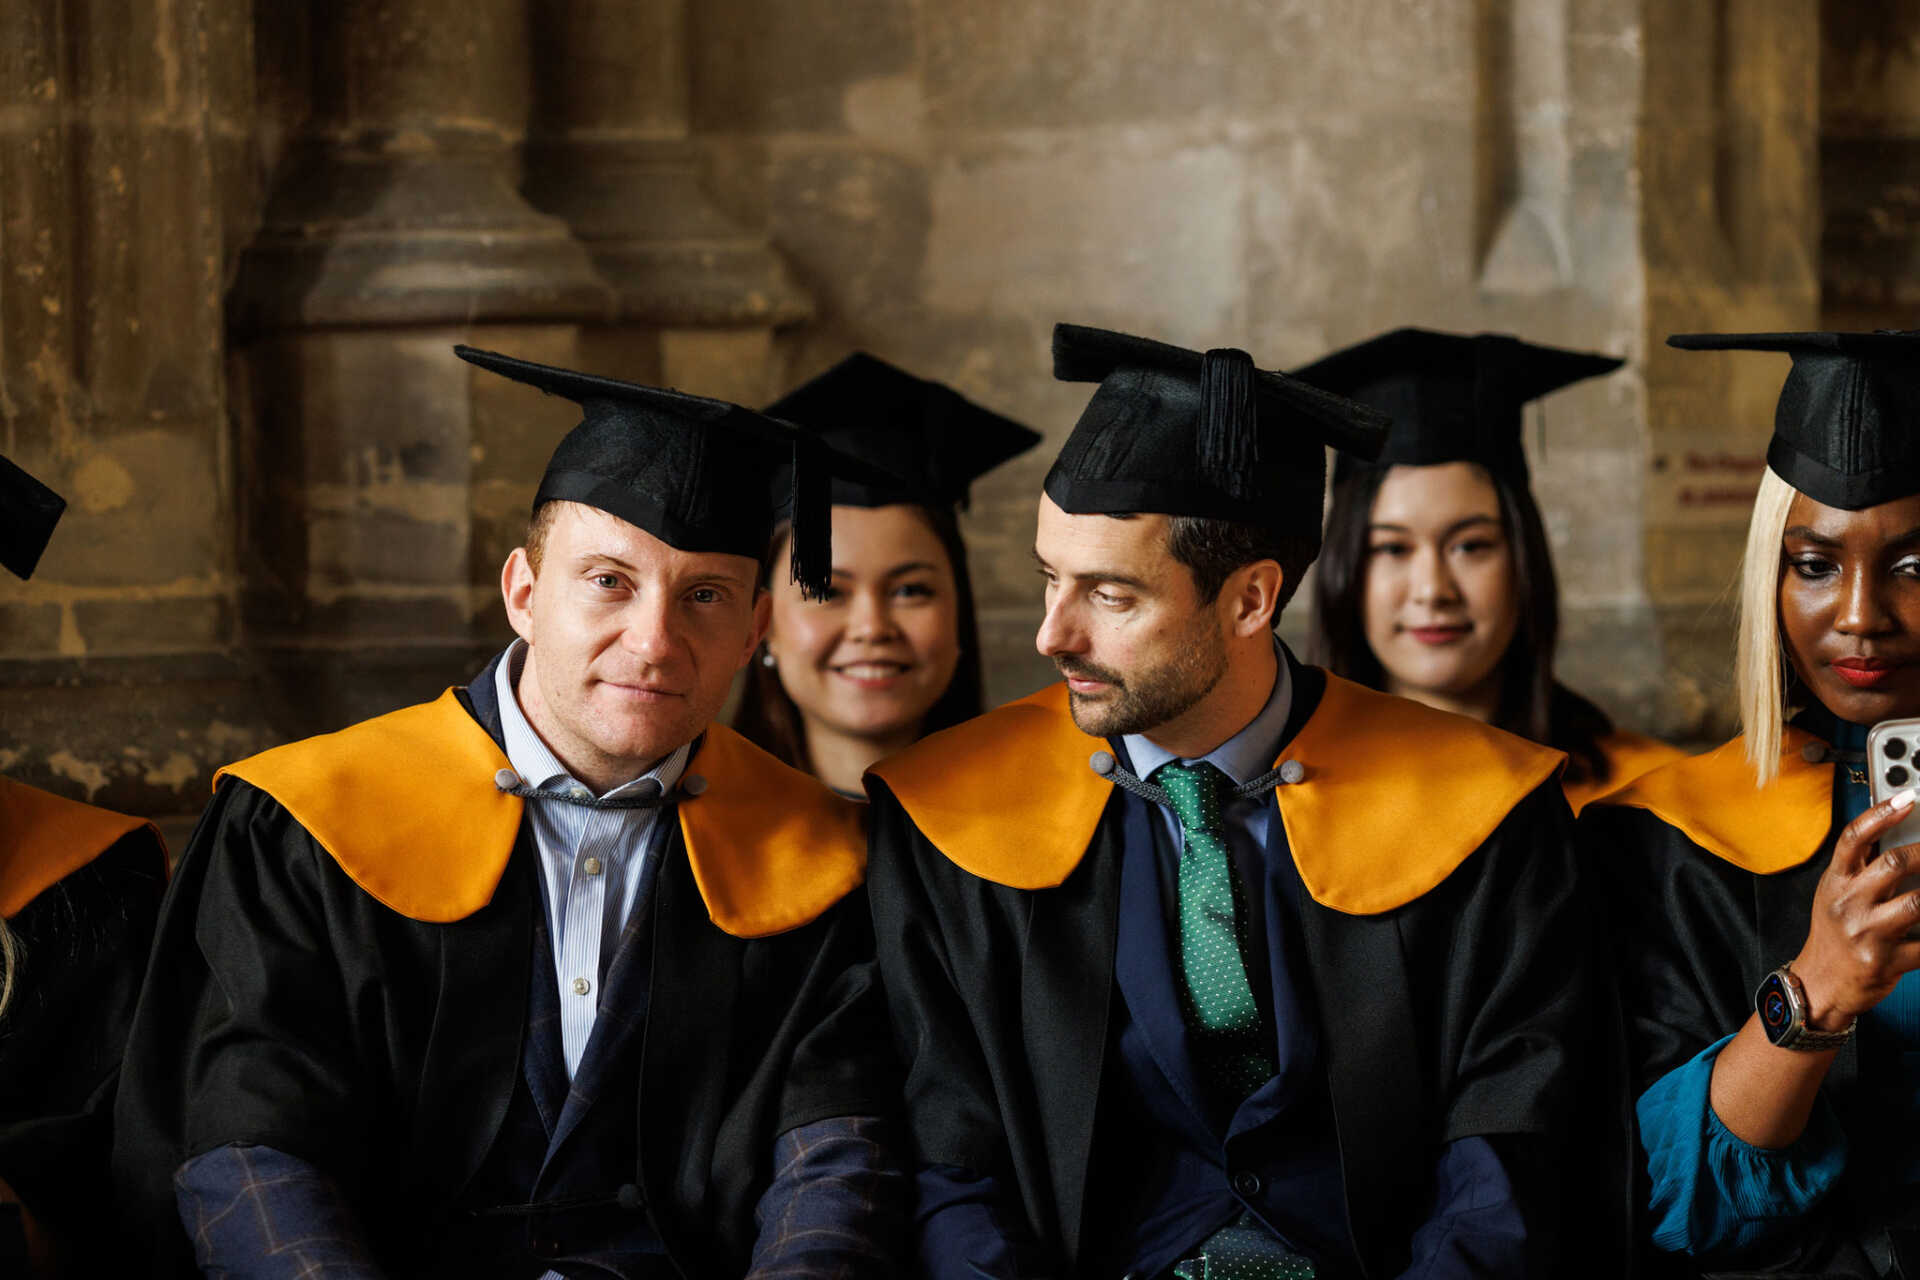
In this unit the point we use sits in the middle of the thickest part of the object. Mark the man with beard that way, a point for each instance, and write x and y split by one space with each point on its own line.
1205 962
551 976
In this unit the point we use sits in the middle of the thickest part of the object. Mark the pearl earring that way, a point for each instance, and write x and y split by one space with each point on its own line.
766 659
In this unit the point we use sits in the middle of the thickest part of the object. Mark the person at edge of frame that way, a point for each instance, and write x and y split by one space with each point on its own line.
551 976
1760 919
1437 582
892 653
79 889
1205 962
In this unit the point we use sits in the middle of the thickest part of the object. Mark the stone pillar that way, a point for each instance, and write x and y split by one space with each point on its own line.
696 296
122 159
382 479
398 203
1869 165
1730 229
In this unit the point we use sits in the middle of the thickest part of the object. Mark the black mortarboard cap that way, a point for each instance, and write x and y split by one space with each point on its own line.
1454 397
932 441
28 512
1847 429
1184 433
699 474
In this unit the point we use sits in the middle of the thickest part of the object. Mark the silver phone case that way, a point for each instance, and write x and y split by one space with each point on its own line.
1888 772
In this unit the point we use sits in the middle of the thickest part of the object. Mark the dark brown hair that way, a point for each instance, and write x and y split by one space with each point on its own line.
767 716
1213 549
1532 703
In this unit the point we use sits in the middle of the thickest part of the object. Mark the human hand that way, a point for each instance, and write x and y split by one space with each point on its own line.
1857 944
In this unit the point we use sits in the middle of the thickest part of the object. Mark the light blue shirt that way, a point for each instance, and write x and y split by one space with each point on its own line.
590 859
1246 755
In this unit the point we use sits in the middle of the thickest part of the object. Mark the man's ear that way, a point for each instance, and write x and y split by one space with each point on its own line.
762 620
1252 597
516 588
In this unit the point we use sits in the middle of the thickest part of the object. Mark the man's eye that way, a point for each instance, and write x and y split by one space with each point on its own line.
610 582
1109 599
1907 566
705 595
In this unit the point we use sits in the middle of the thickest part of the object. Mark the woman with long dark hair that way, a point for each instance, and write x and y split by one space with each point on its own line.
1436 582
892 653
1763 908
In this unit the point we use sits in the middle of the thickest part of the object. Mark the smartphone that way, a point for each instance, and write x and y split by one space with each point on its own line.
1893 764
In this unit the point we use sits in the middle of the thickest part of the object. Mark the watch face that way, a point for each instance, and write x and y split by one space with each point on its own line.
1775 1009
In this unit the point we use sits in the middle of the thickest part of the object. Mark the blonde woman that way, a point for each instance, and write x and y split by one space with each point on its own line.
79 889
1763 937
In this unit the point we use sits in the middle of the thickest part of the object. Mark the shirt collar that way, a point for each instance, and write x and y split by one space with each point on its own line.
534 761
1248 753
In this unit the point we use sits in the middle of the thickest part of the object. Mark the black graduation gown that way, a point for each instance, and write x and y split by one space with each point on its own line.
287 1007
1693 932
1463 1011
82 945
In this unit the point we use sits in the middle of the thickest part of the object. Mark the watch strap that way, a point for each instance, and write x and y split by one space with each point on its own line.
1807 1040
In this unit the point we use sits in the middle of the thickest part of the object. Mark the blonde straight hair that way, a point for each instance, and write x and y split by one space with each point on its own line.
1760 663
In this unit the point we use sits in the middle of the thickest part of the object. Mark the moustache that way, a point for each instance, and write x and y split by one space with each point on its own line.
1088 671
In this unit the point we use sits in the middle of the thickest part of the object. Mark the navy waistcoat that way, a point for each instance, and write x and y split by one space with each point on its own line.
567 1155
1173 1162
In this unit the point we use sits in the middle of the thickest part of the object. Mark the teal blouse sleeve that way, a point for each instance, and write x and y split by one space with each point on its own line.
1713 1193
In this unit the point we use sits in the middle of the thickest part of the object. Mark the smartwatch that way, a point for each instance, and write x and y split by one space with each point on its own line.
1781 1003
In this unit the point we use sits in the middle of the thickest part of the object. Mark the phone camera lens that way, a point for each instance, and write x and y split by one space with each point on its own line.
1897 776
1896 748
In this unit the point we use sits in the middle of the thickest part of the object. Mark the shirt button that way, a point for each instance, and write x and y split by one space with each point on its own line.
581 986
581 793
1246 1185
591 866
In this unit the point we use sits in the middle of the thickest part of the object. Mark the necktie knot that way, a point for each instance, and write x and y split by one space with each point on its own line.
1196 792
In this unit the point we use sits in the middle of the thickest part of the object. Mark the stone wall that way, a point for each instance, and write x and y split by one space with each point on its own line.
238 239
1870 166
949 180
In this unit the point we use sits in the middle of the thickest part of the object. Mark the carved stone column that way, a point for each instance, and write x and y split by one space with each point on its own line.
696 296
381 482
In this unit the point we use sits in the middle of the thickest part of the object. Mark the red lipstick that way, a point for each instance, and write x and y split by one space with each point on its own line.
1865 673
1439 635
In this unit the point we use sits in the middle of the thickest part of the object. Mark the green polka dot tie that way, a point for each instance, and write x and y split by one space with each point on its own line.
1244 1251
1216 996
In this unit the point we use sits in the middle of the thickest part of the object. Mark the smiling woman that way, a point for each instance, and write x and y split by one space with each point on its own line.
891 653
1437 581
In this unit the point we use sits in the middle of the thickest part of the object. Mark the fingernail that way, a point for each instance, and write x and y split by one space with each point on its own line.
1903 799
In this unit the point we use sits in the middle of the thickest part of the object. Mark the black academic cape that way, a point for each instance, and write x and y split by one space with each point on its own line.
1709 884
1445 941
366 1015
79 889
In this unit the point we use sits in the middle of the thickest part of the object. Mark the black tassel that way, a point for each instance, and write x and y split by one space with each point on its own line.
810 544
1229 427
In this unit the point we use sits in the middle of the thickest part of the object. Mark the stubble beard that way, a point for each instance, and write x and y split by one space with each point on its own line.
1153 697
